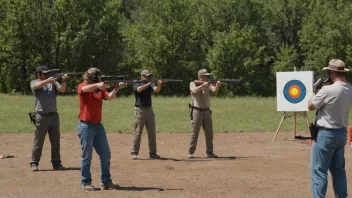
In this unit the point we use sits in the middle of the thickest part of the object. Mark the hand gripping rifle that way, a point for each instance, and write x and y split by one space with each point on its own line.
213 81
320 82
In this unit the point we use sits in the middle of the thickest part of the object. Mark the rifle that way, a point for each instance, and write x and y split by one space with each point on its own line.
104 77
55 73
116 82
320 82
212 81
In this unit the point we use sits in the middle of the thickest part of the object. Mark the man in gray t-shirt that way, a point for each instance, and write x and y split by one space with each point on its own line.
45 89
333 103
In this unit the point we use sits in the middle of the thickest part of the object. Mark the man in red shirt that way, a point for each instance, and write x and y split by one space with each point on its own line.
91 93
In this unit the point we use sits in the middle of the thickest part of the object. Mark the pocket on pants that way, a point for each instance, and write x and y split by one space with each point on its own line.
327 141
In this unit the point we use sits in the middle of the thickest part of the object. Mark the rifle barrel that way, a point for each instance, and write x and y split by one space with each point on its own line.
221 80
163 79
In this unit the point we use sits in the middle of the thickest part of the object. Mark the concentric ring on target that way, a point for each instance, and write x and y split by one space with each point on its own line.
294 91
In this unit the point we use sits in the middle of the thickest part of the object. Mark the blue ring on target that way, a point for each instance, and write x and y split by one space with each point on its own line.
302 91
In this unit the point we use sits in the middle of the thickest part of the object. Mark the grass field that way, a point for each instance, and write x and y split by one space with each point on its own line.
244 114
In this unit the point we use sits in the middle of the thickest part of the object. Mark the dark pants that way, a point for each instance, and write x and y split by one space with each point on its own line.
144 116
44 124
201 118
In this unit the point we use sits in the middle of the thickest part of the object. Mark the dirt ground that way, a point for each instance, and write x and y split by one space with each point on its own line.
250 165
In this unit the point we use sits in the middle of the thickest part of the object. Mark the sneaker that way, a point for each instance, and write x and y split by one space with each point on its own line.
88 187
59 167
154 156
109 186
34 167
190 156
134 156
211 155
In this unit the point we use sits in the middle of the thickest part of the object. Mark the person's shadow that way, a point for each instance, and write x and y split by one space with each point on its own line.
66 169
135 188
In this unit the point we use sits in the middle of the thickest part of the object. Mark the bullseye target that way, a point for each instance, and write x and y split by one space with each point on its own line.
293 90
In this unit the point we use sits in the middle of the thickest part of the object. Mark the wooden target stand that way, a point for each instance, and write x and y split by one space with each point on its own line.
287 115
294 114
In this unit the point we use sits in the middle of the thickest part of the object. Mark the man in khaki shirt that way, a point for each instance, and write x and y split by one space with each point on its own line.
201 114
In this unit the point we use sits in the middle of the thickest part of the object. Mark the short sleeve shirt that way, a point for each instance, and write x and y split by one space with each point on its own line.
90 104
45 97
202 98
334 102
143 98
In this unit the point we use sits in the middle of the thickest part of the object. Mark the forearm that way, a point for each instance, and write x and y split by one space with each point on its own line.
158 88
41 84
216 89
89 88
62 87
112 94
141 88
197 89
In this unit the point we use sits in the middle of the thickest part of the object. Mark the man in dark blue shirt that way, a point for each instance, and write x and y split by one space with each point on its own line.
144 115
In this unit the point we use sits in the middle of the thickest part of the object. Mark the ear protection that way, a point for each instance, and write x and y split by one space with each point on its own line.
93 77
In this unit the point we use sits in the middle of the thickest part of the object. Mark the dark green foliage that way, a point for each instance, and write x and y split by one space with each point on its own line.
247 39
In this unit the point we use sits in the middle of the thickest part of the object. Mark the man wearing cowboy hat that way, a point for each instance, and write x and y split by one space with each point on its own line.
333 103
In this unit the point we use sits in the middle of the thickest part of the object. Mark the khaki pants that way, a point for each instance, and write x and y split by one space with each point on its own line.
201 118
144 116
44 124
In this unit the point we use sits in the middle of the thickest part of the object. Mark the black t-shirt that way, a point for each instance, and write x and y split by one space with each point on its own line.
143 98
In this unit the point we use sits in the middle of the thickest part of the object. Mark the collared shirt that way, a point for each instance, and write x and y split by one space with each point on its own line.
143 98
45 97
333 103
90 104
202 98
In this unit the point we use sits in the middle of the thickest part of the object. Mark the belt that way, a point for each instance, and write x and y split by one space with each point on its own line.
92 123
142 106
201 109
47 114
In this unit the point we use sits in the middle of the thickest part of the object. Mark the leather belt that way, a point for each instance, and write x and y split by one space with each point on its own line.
47 114
92 123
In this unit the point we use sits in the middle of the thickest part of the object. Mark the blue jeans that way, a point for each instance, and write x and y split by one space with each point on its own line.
94 136
328 154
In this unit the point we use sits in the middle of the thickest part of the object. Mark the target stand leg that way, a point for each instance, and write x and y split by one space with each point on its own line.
307 119
277 130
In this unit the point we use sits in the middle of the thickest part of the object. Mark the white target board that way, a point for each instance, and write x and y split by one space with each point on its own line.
293 90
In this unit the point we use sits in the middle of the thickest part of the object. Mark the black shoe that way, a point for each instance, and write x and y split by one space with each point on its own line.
211 155
154 156
59 167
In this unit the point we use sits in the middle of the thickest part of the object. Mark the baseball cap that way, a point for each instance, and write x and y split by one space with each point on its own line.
336 65
42 69
145 73
203 72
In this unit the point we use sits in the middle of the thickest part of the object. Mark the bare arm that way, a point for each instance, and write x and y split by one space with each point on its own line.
215 89
113 93
158 88
197 89
92 87
311 107
142 87
62 87
40 84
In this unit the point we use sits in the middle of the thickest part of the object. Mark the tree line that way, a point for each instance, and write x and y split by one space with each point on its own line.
247 39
